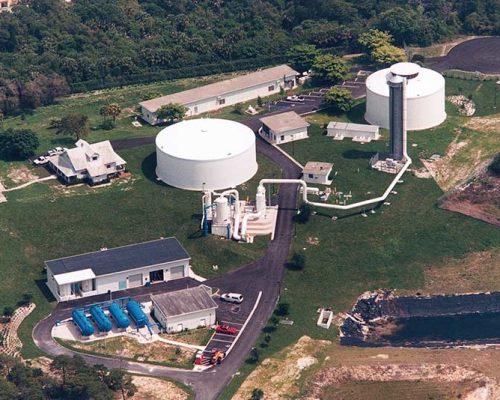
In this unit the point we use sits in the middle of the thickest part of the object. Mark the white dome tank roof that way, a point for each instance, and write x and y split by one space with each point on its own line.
205 139
426 83
424 94
405 69
206 154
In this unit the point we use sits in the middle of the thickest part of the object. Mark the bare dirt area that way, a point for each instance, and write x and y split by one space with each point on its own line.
440 49
151 388
21 175
477 272
485 124
279 377
480 199
342 372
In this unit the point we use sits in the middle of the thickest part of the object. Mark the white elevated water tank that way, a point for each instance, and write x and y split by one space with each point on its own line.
425 96
206 154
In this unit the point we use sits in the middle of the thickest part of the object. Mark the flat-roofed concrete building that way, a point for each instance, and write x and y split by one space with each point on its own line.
358 132
217 95
284 127
120 268
317 172
185 309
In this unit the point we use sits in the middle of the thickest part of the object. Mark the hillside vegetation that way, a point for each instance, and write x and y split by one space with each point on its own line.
103 43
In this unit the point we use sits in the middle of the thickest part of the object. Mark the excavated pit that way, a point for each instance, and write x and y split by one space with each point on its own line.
382 319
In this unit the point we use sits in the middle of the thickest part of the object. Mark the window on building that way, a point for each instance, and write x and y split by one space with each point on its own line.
195 109
95 157
311 176
222 101
282 137
270 88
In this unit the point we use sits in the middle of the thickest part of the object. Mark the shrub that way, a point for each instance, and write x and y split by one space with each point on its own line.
8 311
238 108
304 213
107 125
494 167
283 309
254 356
18 144
298 261
257 394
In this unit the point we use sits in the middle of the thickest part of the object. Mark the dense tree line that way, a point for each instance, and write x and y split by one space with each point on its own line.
69 378
46 45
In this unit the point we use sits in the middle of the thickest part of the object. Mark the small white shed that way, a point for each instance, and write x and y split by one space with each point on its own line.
284 127
358 132
185 309
317 172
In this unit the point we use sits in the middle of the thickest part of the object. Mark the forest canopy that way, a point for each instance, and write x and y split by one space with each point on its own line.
48 46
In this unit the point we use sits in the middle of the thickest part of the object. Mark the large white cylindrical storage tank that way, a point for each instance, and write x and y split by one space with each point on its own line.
206 154
425 97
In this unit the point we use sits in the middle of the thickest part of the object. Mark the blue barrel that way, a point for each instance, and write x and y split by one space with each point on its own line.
102 321
119 316
82 322
135 311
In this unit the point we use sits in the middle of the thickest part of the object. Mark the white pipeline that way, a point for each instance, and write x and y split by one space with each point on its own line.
247 217
337 206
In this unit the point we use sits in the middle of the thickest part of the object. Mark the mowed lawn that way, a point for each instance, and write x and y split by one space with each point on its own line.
46 221
354 254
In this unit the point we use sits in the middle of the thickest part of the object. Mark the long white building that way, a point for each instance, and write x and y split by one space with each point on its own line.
225 93
120 268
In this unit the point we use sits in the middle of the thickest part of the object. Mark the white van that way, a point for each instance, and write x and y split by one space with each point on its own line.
232 297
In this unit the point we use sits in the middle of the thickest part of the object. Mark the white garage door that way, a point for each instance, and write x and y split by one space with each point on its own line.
177 272
135 280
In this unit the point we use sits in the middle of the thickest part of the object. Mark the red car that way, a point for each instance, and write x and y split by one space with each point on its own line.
228 330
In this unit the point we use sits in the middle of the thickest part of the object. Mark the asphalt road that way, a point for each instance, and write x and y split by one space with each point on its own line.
263 275
481 55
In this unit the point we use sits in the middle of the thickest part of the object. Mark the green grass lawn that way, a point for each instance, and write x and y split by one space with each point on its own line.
389 249
482 92
44 222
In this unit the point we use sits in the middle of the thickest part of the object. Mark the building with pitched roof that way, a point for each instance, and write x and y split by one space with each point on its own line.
185 309
217 95
120 268
285 127
95 163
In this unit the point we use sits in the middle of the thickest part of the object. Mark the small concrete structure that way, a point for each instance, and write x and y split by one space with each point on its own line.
96 163
325 318
185 309
358 132
283 128
317 172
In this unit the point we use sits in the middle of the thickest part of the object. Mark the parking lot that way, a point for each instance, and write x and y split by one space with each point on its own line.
233 315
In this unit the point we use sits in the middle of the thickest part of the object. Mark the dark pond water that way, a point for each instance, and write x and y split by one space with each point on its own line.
467 327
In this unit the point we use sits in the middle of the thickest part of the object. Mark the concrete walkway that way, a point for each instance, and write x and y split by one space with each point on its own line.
3 199
47 178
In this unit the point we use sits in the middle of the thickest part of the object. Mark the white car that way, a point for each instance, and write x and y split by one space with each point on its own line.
41 160
232 297
295 98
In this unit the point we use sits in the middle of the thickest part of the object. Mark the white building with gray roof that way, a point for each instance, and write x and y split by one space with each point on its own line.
217 95
96 163
283 128
120 268
357 132
185 309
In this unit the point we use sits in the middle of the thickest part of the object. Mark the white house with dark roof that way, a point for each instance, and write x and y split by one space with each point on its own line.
96 163
185 309
217 95
285 127
120 268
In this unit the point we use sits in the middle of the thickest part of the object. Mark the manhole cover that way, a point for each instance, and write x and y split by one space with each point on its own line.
235 309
